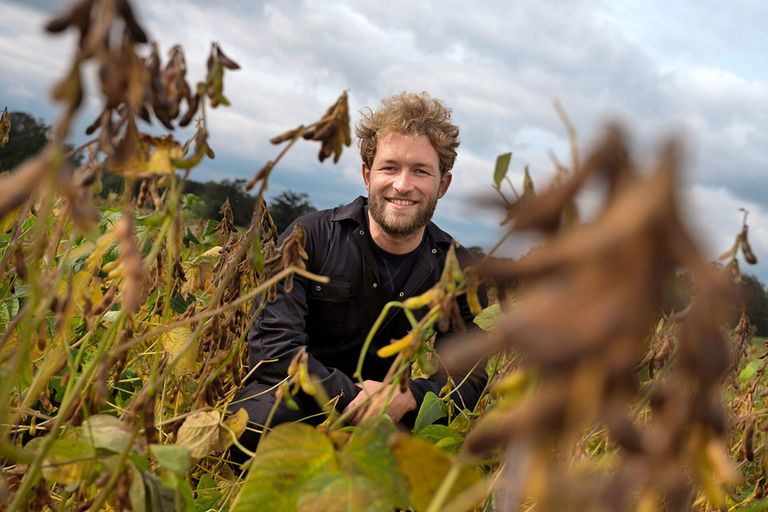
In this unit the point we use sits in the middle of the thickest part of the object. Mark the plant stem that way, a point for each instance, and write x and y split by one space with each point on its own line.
441 496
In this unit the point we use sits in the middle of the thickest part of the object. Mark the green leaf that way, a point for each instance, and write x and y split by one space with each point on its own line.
432 409
160 498
424 466
758 506
182 491
502 166
153 220
137 492
442 436
179 305
209 229
107 432
339 492
189 237
171 457
462 423
13 307
750 370
367 453
207 494
286 458
258 254
69 461
489 317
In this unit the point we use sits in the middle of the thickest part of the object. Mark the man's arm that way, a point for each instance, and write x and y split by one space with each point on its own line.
279 332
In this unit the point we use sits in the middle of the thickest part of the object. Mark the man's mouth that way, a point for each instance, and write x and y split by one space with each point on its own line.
401 202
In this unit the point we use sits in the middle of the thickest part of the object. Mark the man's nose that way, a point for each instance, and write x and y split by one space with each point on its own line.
403 183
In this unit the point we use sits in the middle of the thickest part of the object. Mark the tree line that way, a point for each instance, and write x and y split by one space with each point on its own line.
28 136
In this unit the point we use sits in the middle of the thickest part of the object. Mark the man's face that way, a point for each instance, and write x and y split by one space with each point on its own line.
404 183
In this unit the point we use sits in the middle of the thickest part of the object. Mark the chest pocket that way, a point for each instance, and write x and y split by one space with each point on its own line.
329 308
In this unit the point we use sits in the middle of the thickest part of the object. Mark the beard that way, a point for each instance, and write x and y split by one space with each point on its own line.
397 223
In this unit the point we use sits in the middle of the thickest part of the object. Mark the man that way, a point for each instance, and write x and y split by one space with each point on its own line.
374 250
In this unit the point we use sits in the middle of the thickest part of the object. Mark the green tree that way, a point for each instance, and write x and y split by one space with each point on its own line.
28 136
755 302
213 194
208 197
288 206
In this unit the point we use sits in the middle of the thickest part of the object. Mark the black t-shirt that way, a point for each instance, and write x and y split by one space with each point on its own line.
394 269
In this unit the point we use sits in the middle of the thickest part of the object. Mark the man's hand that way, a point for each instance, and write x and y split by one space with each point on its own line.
401 402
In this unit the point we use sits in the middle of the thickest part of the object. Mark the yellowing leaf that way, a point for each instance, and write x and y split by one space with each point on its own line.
339 492
213 253
192 273
236 423
529 191
103 244
68 461
107 432
424 466
367 454
200 433
285 460
86 289
176 343
7 222
150 156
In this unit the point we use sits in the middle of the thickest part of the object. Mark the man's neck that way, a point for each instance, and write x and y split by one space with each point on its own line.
394 244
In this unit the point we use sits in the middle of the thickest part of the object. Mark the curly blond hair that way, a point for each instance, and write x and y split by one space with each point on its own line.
410 114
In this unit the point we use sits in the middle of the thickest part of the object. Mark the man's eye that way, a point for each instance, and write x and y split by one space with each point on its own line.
421 172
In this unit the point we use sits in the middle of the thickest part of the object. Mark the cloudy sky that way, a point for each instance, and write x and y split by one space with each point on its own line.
696 69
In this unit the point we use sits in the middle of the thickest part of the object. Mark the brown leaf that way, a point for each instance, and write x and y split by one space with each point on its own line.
5 127
150 156
332 130
200 433
19 184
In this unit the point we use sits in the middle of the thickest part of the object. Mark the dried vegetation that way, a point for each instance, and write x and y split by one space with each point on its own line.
122 332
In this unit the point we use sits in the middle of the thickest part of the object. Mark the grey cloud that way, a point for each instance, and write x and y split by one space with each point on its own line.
497 64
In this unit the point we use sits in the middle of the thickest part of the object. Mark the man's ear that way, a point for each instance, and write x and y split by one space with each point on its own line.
366 175
445 182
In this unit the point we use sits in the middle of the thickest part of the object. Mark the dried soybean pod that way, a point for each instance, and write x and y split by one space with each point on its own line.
749 434
746 249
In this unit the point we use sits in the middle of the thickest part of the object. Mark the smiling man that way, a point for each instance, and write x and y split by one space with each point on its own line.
375 250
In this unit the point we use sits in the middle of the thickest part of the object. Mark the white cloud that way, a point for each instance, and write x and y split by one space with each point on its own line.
660 67
713 213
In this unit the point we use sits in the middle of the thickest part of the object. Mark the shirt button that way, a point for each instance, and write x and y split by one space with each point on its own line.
375 285
434 251
318 287
402 294
362 232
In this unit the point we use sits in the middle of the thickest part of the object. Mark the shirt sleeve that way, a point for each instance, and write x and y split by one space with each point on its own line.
279 332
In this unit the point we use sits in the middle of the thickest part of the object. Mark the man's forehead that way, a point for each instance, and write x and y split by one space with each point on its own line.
395 147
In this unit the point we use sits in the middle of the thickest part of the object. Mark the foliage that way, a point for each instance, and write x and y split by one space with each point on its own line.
122 330
289 206
755 299
26 137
